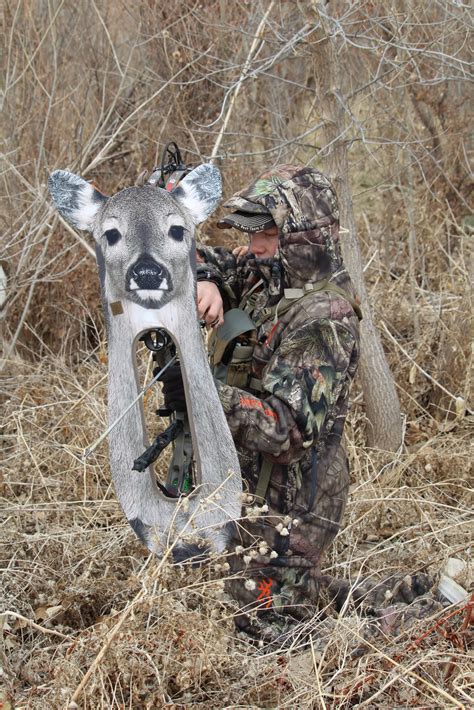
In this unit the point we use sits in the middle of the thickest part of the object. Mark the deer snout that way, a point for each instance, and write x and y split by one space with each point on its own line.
147 274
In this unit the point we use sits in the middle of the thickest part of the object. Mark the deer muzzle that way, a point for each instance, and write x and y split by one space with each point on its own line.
146 274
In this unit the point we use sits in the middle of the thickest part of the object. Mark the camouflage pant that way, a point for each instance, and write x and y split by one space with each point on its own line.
277 556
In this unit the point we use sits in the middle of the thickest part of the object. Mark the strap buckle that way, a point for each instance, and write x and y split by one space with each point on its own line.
291 293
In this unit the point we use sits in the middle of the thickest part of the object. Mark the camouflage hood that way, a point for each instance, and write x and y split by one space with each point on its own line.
304 206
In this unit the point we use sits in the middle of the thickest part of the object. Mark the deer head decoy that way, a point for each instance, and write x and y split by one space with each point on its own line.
146 256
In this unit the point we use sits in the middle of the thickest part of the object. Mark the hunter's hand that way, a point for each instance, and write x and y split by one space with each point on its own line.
209 304
240 252
173 388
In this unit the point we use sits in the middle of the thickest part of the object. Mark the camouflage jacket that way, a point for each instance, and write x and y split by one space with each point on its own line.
307 359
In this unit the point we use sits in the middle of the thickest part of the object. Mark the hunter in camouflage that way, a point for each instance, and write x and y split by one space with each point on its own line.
288 417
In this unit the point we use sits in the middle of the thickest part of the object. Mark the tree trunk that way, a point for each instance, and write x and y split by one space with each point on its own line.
380 396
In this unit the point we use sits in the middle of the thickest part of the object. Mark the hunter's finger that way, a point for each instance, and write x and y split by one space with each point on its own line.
214 316
240 251
220 322
211 314
203 305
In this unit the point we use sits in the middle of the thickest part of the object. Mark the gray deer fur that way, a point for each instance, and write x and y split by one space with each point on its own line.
145 250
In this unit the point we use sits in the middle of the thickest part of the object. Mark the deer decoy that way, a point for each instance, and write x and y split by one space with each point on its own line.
146 257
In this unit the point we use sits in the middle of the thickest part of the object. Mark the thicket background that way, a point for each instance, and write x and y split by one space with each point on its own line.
100 87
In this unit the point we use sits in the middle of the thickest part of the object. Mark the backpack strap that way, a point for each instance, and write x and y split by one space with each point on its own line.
294 295
263 479
247 303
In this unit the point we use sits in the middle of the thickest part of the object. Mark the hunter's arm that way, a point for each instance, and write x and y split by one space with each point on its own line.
218 265
310 370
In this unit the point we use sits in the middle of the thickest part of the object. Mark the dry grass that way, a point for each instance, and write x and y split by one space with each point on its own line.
89 615
99 88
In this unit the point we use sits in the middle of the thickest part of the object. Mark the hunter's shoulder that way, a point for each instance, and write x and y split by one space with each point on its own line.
320 306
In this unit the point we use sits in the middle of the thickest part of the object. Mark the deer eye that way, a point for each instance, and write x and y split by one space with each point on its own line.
176 232
112 236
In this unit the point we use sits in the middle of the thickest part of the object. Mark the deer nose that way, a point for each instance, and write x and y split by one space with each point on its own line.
146 274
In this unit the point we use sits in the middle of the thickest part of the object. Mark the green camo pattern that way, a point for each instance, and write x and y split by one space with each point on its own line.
306 362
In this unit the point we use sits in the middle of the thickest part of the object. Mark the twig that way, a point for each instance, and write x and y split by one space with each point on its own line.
316 673
11 346
242 77
109 38
405 671
113 633
77 236
423 372
33 624
102 155
37 48
466 608
73 406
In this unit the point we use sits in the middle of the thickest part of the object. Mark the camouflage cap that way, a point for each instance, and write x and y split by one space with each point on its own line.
298 198
237 202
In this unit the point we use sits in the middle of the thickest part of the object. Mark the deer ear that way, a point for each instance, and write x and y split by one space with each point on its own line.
76 200
200 191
